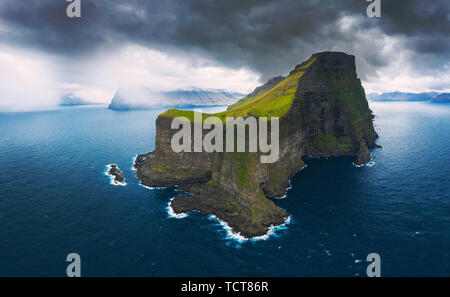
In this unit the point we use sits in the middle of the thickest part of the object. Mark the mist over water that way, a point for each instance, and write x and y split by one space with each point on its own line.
55 199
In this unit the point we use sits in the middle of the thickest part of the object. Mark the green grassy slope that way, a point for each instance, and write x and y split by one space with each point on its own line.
258 91
274 103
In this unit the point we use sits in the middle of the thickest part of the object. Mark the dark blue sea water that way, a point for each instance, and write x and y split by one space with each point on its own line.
55 199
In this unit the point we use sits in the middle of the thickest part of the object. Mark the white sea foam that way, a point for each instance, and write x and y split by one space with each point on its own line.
111 177
240 238
417 233
230 233
290 185
182 191
151 188
327 252
285 191
134 162
172 213
273 229
368 164
326 157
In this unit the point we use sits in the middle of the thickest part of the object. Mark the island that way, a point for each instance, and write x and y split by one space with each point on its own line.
71 99
322 110
410 97
135 99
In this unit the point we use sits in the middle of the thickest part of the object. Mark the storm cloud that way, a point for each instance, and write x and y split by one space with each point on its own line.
265 36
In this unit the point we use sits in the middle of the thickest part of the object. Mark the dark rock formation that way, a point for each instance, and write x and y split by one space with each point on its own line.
139 161
118 176
327 116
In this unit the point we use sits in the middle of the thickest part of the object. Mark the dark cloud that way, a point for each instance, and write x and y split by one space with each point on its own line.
268 36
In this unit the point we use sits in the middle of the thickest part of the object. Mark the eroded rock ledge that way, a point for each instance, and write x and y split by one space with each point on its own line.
327 116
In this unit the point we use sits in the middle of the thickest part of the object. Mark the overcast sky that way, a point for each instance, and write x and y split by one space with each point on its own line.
222 44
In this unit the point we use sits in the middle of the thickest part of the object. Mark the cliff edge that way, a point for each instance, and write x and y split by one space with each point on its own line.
322 110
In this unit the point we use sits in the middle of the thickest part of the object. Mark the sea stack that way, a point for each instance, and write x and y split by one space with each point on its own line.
322 110
115 172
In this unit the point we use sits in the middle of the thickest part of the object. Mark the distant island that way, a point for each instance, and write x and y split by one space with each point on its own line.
72 100
270 84
416 97
146 99
322 110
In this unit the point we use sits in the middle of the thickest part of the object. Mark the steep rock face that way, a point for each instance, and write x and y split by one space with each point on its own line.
330 116
333 109
166 168
323 112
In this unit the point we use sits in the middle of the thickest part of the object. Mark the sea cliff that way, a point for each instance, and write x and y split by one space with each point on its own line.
323 111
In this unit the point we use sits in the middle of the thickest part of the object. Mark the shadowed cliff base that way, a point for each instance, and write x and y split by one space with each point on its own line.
323 111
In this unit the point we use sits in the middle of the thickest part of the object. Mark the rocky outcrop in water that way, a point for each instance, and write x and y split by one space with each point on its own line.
323 111
115 172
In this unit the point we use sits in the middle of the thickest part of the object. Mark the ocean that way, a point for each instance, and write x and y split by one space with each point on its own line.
55 199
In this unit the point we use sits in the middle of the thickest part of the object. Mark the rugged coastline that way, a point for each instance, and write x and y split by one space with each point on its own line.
323 111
